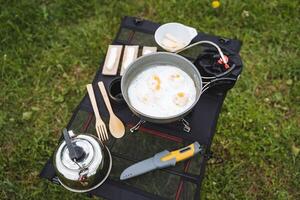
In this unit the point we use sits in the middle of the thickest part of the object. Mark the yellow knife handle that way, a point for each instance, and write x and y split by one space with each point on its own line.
183 153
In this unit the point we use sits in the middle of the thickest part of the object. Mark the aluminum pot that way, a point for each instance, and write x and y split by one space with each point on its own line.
152 60
82 163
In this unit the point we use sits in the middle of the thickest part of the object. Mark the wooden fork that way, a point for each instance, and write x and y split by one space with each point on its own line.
99 125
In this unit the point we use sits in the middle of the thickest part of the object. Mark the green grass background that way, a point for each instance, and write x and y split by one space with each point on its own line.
50 49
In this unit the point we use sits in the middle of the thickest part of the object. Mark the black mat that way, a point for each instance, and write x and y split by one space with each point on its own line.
180 182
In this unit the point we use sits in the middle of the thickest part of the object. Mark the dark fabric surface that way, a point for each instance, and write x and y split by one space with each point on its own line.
202 119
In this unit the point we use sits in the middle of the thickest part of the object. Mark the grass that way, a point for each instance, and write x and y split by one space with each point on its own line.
51 49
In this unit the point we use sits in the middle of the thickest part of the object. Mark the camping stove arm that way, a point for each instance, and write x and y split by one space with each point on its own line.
186 125
137 126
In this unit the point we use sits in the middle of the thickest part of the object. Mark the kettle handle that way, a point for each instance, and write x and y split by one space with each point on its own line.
75 152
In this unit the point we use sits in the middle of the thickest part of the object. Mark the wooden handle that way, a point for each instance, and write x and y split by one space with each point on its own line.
105 97
90 90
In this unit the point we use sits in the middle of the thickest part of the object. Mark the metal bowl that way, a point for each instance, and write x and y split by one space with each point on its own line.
152 60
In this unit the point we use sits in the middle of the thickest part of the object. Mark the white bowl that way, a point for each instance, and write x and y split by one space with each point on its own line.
182 33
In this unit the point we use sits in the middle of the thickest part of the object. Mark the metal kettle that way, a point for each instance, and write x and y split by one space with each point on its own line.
82 163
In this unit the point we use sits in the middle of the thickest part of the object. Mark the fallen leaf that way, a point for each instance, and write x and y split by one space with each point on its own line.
267 100
278 96
245 13
27 115
2 119
289 82
12 119
59 99
295 150
35 108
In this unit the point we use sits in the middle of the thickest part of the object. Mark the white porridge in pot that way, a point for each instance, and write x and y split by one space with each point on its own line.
162 91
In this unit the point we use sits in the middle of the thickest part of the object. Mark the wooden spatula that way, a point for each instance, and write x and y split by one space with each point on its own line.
116 127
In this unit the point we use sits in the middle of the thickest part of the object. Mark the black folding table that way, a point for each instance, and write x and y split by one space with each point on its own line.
180 182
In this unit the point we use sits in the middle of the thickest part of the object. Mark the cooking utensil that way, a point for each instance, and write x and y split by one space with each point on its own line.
161 160
164 58
116 127
99 125
82 163
155 59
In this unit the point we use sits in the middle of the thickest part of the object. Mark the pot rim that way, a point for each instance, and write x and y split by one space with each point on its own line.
173 117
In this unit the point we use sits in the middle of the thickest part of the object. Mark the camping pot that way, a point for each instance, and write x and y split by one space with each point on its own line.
82 163
202 83
155 59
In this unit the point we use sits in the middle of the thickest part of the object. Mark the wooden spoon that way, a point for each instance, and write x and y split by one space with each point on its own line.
116 127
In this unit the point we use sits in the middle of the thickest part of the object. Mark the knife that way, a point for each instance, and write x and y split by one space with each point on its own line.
161 160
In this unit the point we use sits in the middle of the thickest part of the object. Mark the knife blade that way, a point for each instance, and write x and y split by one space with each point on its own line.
138 169
161 160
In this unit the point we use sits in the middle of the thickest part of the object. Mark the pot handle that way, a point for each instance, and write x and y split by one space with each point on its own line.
211 83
